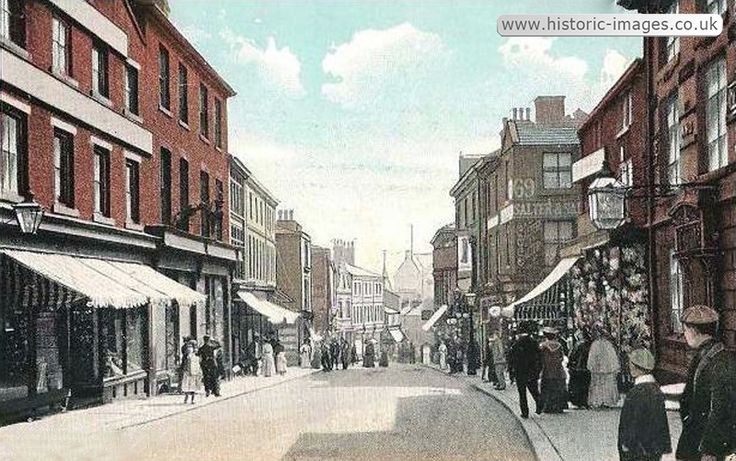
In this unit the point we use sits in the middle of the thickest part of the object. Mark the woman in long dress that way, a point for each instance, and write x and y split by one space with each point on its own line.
443 356
269 366
191 373
579 385
280 352
553 391
305 354
604 366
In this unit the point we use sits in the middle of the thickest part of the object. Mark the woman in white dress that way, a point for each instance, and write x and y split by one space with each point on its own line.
280 353
603 364
269 367
191 376
443 356
305 354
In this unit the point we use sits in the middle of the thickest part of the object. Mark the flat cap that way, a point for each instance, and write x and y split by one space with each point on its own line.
699 315
642 358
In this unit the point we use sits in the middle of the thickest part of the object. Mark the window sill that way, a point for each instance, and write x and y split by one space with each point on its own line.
60 208
184 125
134 226
165 111
15 49
623 131
218 148
64 77
103 219
9 196
204 139
132 116
100 98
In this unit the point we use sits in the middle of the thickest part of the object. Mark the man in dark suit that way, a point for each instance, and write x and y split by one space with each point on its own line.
525 361
643 430
708 403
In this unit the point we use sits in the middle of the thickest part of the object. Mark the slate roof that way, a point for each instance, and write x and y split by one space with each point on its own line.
535 135
360 272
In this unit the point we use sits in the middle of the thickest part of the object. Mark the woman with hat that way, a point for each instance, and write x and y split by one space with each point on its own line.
603 364
191 373
553 390
643 429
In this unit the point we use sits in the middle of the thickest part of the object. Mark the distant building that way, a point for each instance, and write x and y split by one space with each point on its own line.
444 264
324 295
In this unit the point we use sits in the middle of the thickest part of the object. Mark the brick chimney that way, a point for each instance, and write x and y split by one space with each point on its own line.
550 110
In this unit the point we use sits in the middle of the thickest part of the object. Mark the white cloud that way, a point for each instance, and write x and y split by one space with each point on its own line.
535 51
614 65
278 68
375 59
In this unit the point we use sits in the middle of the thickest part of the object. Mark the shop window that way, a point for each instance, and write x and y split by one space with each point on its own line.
13 22
64 168
677 296
61 46
715 114
557 170
164 90
122 334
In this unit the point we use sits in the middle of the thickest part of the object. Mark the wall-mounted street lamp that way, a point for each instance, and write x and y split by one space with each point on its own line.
607 197
28 214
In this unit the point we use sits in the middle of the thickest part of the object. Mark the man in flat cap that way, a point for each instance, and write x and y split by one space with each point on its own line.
708 403
643 430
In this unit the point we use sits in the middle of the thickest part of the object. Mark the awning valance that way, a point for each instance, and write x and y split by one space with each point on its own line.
553 277
107 283
390 311
435 317
275 314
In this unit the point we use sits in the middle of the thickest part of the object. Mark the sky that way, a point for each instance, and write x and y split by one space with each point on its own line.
353 113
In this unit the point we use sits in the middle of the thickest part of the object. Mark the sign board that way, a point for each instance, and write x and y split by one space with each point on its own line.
588 165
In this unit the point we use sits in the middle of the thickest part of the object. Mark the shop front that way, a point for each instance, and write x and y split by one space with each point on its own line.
257 315
79 324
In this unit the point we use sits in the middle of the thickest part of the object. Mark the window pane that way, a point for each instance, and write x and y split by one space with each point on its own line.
550 160
551 180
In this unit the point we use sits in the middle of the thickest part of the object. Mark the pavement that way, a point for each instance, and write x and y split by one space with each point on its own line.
576 435
404 412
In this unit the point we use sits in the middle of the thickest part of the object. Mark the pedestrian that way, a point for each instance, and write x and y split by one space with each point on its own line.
443 355
412 353
512 341
325 354
708 403
473 357
269 363
577 367
488 373
280 357
353 354
604 366
383 360
211 364
345 354
317 357
525 361
305 355
643 429
191 373
498 361
553 391
369 355
334 354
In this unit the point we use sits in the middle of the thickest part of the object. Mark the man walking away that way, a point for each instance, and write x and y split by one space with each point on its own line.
525 362
708 403
498 361
643 430
208 356
345 354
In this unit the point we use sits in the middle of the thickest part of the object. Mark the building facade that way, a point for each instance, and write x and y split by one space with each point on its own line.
444 264
324 294
692 115
83 139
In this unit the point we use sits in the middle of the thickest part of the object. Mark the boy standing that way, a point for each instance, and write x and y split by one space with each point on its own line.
643 431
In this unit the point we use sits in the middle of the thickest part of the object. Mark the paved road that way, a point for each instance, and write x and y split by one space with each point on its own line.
402 413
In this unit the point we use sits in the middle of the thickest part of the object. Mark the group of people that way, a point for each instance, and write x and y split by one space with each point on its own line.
201 365
267 357
596 374
330 356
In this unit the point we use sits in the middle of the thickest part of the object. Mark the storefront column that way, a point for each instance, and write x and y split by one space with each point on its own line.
151 391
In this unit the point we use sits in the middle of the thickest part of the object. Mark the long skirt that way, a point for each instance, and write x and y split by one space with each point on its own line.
191 382
443 361
603 390
269 367
306 360
281 363
553 395
579 387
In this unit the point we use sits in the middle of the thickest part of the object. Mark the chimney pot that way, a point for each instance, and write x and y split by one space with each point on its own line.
515 113
528 113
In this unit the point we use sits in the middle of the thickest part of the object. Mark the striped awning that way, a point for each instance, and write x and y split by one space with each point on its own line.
56 278
275 314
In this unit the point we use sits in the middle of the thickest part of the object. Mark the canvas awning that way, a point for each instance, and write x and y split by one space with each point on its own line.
553 277
390 311
106 283
275 314
435 316
396 334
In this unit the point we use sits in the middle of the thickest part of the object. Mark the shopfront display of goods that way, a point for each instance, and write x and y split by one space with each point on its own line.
610 291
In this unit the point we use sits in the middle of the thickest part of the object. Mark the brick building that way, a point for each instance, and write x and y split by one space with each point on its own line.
692 118
82 132
444 264
324 302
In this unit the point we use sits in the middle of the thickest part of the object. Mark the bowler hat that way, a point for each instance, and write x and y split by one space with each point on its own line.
642 358
699 315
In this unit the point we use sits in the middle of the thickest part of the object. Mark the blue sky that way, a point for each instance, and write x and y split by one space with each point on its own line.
354 112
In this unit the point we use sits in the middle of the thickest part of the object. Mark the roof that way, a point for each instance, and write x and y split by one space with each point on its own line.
447 229
535 135
253 181
629 74
360 272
